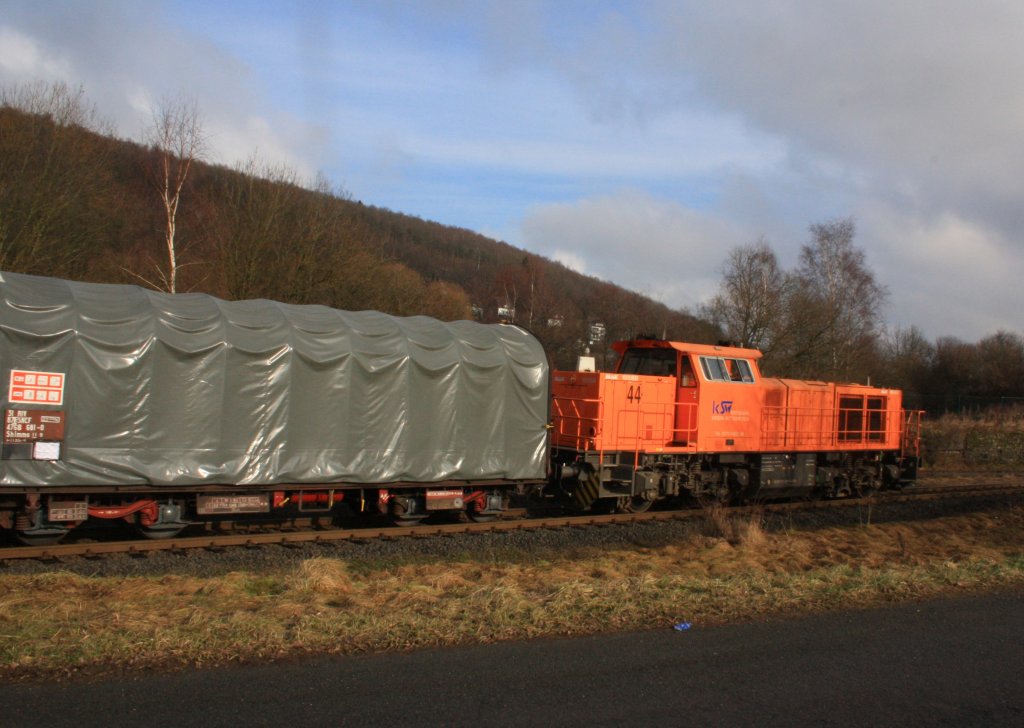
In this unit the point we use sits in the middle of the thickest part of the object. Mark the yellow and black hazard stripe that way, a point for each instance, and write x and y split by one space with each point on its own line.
587 488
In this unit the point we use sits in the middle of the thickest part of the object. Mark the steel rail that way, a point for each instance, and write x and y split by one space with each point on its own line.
331 535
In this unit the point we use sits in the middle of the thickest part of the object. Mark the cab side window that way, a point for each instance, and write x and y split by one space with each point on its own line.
722 369
746 373
714 369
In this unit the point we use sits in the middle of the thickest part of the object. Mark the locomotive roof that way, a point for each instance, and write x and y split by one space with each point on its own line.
703 349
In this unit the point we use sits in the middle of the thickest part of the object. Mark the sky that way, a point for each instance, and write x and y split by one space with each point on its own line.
637 142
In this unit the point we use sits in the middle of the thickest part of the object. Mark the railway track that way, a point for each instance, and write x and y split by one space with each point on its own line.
252 540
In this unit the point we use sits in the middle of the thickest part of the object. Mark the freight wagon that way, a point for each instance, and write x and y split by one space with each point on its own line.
169 410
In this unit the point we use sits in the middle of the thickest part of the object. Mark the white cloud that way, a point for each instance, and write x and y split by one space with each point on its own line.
683 145
128 58
921 100
945 274
237 138
655 246
21 58
571 260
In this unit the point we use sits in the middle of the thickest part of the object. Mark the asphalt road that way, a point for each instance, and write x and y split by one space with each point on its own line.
955 662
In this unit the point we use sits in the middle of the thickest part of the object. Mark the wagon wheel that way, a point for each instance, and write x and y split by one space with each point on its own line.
159 531
406 521
31 530
163 523
473 509
402 515
40 539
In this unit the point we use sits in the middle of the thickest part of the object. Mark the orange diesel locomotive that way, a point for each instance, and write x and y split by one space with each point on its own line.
678 419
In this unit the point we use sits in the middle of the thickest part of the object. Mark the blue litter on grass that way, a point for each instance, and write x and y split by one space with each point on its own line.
682 626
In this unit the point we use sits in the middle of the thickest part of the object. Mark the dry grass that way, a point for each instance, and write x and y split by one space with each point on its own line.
992 439
59 623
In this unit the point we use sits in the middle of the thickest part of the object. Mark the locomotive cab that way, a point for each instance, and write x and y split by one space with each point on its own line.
711 371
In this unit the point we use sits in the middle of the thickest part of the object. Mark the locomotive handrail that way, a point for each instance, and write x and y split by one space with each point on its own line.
825 427
576 416
648 418
910 433
783 426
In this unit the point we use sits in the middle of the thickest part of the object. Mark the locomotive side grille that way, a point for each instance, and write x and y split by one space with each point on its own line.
862 418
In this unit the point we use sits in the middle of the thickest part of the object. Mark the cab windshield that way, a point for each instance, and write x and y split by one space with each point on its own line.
656 362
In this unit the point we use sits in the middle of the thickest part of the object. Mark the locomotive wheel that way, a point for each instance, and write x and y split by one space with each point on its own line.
622 504
633 504
715 499
865 485
604 506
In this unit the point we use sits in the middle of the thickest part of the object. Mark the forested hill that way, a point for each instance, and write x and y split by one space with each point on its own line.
77 203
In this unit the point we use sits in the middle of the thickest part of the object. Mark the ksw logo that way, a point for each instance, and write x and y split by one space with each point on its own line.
722 408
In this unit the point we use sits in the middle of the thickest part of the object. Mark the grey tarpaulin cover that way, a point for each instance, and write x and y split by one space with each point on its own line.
188 389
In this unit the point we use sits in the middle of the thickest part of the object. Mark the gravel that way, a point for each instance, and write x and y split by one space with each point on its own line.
508 546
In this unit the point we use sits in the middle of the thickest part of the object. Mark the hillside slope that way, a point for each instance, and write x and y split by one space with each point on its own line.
79 204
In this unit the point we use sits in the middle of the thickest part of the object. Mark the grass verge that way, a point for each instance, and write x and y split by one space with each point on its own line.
58 624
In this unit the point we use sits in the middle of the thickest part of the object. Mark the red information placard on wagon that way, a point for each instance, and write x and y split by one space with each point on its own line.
36 387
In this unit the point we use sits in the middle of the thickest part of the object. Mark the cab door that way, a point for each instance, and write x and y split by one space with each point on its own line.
685 430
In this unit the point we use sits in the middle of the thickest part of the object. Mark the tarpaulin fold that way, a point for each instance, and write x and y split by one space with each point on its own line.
184 389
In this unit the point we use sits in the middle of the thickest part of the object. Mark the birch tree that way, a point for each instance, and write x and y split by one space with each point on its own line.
176 133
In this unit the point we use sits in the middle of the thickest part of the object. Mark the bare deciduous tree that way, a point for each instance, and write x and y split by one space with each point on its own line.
50 173
1002 364
835 305
257 222
819 321
750 304
278 238
63 105
908 358
176 132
